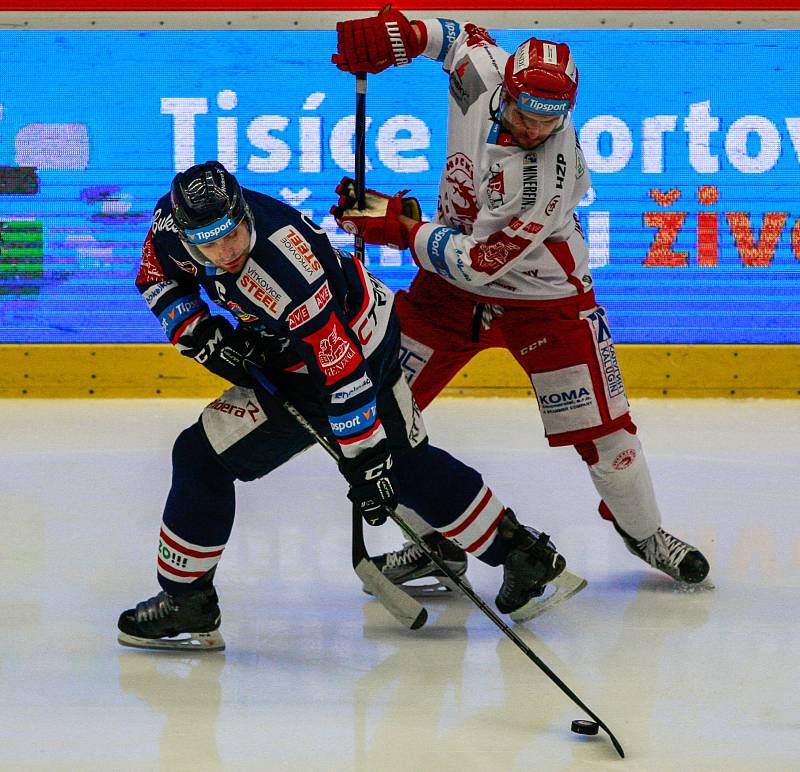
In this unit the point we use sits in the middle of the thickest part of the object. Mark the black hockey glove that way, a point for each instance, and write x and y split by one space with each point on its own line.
371 488
223 350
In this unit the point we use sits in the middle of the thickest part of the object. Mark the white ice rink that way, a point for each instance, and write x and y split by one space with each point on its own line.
316 676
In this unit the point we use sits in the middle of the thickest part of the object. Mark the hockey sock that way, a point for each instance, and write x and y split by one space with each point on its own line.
198 515
621 476
463 510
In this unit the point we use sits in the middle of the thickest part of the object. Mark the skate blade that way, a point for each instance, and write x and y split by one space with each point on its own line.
212 641
565 585
441 586
703 586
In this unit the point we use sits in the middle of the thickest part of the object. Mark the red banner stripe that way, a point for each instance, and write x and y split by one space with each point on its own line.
409 6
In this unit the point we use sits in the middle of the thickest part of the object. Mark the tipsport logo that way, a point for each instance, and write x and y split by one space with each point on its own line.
211 233
534 104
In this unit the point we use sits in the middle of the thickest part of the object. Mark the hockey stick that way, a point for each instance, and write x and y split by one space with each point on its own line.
481 604
360 170
361 562
359 550
405 609
402 608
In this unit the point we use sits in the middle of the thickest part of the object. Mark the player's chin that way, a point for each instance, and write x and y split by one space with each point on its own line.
233 266
530 144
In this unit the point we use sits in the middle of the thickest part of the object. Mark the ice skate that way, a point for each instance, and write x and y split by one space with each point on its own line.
178 622
530 567
408 565
669 554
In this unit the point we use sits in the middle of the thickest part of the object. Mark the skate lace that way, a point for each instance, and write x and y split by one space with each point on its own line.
663 549
157 607
488 314
408 553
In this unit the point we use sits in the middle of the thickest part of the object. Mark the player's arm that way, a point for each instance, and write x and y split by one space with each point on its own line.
319 331
493 248
501 237
537 208
473 260
174 298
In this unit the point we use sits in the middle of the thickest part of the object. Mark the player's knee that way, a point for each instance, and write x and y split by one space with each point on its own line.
194 460
614 453
421 475
618 452
588 452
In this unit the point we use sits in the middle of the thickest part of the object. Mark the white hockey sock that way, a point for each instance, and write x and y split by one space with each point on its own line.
183 562
622 479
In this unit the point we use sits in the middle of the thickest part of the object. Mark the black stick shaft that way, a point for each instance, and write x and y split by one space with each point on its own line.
360 151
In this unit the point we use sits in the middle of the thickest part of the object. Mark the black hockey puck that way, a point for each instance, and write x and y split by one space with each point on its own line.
582 726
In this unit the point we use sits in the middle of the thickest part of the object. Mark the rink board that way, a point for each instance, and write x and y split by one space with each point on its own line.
155 370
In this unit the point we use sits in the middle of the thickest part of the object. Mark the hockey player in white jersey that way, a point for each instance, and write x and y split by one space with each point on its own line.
504 263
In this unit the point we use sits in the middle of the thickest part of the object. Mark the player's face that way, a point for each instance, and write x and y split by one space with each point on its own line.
529 129
229 252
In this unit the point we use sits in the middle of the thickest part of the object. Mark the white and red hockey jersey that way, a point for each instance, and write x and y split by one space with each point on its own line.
506 226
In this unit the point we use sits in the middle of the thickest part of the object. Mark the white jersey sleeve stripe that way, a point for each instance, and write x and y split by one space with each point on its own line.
442 33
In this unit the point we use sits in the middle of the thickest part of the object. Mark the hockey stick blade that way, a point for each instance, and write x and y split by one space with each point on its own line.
566 584
405 610
399 604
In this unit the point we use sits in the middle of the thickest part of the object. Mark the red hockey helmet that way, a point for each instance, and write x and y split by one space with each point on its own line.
541 78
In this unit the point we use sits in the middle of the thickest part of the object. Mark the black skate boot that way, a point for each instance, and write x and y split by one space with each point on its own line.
187 621
410 563
529 566
669 554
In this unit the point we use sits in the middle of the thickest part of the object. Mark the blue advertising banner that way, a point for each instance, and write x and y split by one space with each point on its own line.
692 139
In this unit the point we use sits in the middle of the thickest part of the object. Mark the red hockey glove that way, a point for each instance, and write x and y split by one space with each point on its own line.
378 222
373 44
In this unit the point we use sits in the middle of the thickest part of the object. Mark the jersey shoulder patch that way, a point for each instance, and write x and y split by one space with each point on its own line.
291 243
466 84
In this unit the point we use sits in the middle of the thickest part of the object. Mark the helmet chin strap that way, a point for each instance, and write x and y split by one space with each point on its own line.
495 113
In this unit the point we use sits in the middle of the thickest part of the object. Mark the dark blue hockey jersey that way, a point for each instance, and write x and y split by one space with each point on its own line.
315 308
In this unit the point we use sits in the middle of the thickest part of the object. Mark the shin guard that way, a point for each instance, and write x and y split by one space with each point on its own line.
621 476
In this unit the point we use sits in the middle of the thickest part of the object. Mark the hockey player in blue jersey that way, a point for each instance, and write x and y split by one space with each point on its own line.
325 332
